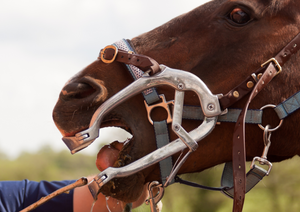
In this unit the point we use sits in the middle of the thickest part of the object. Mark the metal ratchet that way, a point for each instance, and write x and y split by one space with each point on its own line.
178 79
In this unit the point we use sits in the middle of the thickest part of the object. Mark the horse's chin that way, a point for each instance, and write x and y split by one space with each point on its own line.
116 154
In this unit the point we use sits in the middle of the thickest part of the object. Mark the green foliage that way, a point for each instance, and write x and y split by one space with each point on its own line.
278 192
48 165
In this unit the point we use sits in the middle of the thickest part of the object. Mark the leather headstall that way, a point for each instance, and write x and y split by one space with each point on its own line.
269 69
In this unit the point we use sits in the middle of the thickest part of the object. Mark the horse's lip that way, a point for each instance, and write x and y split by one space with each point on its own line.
113 122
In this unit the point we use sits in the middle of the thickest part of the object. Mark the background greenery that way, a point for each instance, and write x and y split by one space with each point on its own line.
278 192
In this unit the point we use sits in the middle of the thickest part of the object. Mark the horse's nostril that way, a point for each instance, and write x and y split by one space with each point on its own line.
77 91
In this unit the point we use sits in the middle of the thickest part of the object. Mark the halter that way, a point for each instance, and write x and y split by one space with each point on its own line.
213 108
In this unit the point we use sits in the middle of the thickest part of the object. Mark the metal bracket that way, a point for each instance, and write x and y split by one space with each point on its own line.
164 104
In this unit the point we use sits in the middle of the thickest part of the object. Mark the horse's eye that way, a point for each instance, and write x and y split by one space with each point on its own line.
239 16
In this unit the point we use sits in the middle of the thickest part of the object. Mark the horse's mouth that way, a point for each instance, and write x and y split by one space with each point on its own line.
109 154
119 154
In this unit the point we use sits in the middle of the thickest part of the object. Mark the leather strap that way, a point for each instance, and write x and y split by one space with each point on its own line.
242 89
141 61
238 150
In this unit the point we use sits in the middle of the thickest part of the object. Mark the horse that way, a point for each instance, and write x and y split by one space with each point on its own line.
222 43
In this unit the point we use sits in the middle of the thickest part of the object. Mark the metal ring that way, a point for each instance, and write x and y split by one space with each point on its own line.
273 129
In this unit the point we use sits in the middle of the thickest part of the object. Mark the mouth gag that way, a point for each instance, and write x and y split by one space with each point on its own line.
181 81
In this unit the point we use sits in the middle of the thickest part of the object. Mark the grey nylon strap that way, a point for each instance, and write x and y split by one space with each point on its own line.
162 135
289 106
253 177
195 112
151 96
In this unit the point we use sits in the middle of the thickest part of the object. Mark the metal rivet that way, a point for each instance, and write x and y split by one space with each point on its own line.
176 127
236 94
250 84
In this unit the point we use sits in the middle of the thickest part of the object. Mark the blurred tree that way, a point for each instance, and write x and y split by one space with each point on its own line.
278 192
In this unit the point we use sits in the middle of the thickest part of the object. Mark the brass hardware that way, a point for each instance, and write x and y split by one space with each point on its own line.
164 104
276 64
103 51
236 94
259 76
250 84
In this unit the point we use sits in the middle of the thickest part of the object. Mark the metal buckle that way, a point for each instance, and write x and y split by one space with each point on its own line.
276 64
154 199
103 51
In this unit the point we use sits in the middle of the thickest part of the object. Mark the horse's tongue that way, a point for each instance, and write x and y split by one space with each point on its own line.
108 155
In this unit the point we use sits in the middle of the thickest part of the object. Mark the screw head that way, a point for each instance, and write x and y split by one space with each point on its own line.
210 106
176 127
180 86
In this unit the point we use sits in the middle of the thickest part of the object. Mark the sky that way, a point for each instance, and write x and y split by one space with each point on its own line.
43 43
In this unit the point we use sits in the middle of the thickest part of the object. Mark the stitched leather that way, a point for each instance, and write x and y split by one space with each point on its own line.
238 149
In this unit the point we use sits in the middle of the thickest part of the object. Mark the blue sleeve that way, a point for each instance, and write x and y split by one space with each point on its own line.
17 195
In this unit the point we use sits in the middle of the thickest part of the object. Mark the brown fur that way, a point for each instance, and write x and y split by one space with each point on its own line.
222 55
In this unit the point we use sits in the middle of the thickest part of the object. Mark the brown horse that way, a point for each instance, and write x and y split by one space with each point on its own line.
222 42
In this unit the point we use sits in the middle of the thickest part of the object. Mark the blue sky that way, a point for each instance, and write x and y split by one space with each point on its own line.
43 43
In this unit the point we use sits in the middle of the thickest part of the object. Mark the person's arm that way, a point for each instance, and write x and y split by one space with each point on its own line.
83 201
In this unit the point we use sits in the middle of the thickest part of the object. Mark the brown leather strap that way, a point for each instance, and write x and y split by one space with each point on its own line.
111 54
239 91
239 152
243 89
238 149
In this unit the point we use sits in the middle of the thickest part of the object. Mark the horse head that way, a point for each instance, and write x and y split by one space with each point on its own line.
222 42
